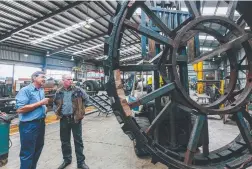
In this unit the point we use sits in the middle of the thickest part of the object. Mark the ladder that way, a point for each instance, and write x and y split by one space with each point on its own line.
102 103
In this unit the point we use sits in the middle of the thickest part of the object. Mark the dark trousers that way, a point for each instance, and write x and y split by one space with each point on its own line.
32 136
67 125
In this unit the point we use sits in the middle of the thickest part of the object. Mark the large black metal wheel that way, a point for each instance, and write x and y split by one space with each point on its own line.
235 154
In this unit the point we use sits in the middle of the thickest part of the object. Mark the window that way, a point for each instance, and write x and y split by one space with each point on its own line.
57 74
24 71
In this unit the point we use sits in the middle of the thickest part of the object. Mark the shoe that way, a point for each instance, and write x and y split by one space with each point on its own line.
64 165
83 166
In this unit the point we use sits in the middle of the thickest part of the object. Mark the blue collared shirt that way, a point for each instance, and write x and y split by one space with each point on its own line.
29 95
67 107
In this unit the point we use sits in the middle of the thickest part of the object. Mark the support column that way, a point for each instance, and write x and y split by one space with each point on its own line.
216 75
44 64
13 80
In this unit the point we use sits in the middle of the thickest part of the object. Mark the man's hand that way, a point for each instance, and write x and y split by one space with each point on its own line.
31 107
44 101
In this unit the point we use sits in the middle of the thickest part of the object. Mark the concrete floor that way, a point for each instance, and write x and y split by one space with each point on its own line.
106 146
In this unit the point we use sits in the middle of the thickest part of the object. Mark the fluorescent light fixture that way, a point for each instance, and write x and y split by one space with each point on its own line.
26 55
101 57
129 49
87 49
87 25
205 49
132 57
247 28
63 31
203 37
138 11
47 53
72 59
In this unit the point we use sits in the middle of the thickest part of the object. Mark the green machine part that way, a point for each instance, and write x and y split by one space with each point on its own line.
4 142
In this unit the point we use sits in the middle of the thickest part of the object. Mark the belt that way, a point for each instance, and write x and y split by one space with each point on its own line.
35 120
68 116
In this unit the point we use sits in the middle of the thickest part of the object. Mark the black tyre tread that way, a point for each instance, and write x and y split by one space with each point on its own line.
95 84
143 123
90 84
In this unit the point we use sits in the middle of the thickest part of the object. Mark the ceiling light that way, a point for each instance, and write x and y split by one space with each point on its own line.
247 28
87 49
101 57
47 53
26 55
206 49
63 31
87 25
203 37
72 59
213 59
123 45
219 56
129 49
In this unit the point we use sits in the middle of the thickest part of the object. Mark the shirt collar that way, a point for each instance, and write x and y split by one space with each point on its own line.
34 88
69 89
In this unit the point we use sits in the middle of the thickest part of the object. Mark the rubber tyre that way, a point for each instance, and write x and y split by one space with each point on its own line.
95 84
89 86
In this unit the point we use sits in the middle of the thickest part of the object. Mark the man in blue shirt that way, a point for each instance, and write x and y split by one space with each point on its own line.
30 104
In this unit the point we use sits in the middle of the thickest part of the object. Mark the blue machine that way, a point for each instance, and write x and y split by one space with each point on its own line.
172 18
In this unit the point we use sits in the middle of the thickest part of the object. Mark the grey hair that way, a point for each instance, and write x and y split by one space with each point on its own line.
36 74
65 75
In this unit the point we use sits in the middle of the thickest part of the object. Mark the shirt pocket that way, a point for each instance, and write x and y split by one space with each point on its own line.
34 97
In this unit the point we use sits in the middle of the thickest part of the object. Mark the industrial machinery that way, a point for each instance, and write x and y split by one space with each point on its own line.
5 120
173 132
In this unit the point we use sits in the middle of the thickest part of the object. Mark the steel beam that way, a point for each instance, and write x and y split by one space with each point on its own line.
194 139
156 20
25 26
231 9
231 44
148 32
153 95
191 5
245 132
160 117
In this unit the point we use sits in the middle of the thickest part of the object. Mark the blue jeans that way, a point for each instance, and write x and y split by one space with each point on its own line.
32 141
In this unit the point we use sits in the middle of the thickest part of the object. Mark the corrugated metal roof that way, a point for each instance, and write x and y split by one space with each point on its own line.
31 16
15 14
